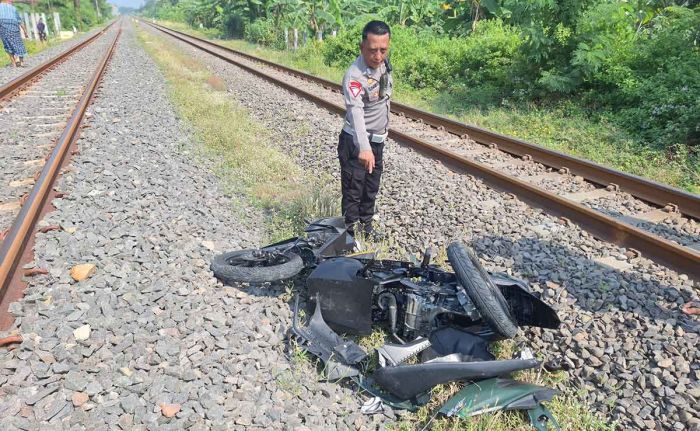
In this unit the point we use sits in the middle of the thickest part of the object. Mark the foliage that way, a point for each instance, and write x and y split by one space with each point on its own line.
74 13
423 59
264 32
656 86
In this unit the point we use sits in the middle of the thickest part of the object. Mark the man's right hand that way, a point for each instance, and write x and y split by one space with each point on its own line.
367 159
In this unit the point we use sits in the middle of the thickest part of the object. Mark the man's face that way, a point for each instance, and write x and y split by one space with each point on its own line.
374 49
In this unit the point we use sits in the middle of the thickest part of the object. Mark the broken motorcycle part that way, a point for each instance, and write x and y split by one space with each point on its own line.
369 385
396 354
339 355
445 341
527 309
503 394
401 380
345 297
256 266
415 299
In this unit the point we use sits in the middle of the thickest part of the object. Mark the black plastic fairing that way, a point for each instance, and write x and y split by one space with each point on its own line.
527 309
407 381
345 296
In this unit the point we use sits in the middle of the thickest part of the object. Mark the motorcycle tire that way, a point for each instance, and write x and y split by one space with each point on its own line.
229 273
487 298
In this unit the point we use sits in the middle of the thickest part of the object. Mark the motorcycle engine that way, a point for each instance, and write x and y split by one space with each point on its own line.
424 306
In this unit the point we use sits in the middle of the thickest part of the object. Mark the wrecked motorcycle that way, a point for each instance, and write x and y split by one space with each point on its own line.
441 321
413 298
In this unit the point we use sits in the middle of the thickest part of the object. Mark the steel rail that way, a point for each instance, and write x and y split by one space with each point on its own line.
21 232
672 255
10 88
641 188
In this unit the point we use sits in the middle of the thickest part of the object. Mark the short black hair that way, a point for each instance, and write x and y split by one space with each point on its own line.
376 27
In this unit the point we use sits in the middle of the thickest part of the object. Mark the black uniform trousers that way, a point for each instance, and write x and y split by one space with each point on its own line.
359 187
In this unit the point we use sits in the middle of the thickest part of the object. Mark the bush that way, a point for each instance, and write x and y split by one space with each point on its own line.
426 60
490 55
653 82
264 32
342 50
234 26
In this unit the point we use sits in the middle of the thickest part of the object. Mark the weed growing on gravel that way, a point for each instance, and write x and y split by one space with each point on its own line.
249 165
216 83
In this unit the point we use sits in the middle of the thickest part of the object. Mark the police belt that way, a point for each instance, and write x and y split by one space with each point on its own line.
376 138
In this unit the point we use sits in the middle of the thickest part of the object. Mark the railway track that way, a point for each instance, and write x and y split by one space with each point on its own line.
42 113
10 88
649 219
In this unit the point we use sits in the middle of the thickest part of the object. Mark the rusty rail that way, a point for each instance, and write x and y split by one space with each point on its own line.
21 232
672 255
10 88
641 188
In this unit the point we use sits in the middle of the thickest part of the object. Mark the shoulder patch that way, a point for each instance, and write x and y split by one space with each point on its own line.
355 88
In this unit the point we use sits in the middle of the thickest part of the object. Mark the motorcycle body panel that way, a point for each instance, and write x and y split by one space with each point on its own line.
344 296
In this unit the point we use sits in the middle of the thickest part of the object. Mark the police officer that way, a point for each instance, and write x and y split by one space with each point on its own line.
366 89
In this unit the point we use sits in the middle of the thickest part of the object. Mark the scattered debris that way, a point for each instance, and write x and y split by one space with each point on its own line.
441 321
49 228
503 394
12 339
82 271
169 410
691 308
35 271
82 333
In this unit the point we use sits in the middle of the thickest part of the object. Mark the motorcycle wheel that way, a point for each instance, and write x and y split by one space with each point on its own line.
243 266
487 298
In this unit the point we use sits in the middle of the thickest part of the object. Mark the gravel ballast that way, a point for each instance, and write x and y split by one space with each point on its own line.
33 119
623 333
152 340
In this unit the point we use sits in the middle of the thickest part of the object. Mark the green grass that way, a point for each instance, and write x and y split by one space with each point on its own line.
249 165
252 168
560 126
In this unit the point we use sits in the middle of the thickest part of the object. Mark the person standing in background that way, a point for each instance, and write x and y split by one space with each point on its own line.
41 29
10 26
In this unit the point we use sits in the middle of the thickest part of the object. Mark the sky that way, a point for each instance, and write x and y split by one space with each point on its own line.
129 3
